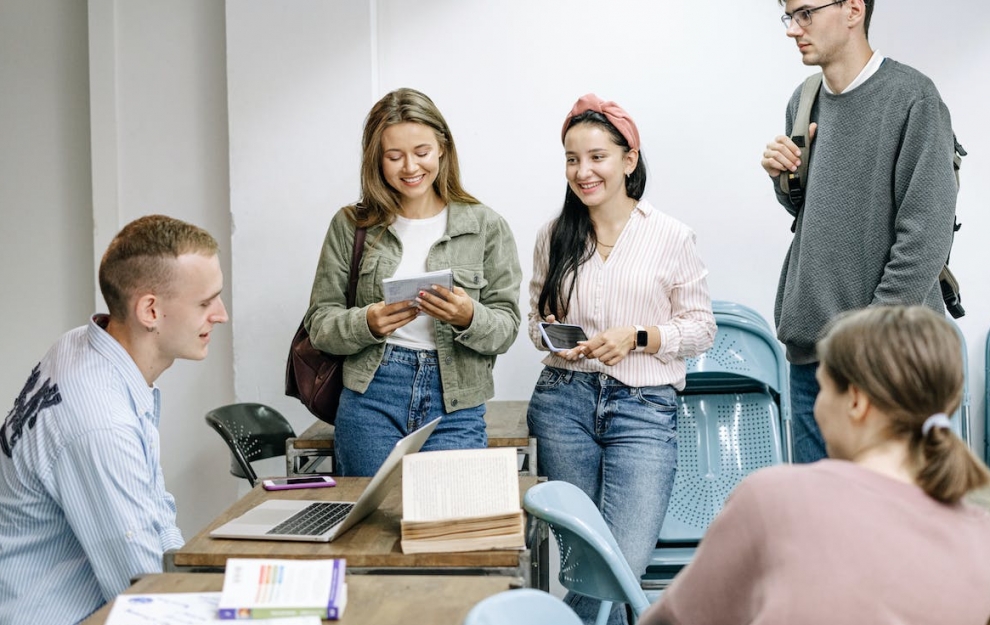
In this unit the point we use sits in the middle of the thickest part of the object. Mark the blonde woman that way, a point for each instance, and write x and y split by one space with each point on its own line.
876 534
409 362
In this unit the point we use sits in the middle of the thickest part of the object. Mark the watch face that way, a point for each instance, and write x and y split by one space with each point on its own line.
642 338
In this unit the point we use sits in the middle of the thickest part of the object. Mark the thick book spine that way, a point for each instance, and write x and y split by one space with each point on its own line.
332 612
252 613
338 596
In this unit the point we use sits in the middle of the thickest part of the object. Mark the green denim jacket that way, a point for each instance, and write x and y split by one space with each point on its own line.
480 249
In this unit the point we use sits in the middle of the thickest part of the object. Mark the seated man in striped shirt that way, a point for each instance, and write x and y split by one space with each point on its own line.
83 505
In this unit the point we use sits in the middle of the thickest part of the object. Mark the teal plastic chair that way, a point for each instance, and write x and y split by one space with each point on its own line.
725 307
960 419
732 419
744 356
525 606
591 563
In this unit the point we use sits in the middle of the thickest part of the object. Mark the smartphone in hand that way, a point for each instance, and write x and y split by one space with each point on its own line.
288 483
561 337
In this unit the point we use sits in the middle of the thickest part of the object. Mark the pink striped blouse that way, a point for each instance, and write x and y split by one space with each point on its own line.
653 277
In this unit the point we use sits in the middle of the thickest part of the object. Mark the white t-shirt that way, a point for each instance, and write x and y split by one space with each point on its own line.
417 237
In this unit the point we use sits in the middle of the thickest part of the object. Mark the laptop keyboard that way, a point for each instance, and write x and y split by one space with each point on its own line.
313 520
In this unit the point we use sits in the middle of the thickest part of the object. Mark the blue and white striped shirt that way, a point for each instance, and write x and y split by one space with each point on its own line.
83 505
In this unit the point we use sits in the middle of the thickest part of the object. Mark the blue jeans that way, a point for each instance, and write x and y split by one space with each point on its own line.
809 446
619 445
404 394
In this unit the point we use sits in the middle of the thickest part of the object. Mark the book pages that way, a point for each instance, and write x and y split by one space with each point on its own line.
457 484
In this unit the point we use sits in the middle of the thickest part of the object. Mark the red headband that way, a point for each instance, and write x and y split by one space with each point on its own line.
612 112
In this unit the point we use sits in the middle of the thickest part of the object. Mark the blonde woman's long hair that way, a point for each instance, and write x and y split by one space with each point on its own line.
380 203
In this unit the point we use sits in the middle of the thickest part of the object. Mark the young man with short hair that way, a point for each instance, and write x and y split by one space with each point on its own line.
876 223
83 505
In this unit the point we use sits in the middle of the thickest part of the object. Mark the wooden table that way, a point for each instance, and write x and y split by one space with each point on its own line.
506 427
378 599
371 546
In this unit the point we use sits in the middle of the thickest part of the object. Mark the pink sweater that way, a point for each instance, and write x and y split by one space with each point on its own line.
833 543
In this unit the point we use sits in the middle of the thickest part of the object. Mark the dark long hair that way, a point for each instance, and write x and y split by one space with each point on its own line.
572 236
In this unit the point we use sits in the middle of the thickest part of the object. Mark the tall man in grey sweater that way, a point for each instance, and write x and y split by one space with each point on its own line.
876 224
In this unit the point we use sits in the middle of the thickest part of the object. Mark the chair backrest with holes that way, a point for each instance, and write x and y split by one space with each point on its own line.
591 563
252 432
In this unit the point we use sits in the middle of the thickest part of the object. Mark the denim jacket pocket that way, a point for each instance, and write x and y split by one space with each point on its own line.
374 268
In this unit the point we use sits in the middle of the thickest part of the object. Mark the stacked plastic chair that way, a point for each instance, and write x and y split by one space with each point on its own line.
733 418
960 419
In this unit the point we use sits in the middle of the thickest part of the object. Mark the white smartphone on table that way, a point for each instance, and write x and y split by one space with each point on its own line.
288 483
561 337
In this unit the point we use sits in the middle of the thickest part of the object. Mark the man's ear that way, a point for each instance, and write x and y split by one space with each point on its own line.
146 311
857 12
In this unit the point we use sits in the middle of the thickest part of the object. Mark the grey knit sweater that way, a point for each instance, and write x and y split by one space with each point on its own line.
876 224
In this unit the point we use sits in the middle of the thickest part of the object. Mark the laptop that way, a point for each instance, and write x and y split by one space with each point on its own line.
323 521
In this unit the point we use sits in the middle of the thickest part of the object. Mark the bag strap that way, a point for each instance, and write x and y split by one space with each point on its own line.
794 183
352 279
957 154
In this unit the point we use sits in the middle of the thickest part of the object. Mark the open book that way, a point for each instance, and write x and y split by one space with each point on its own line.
269 588
461 500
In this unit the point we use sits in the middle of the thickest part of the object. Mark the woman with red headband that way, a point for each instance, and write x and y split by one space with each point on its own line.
604 413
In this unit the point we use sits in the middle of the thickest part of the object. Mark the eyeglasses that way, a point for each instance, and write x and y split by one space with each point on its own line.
803 16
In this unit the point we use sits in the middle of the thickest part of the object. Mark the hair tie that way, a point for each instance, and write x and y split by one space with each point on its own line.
614 113
937 420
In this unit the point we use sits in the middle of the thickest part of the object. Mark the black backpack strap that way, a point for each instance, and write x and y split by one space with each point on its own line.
794 183
946 280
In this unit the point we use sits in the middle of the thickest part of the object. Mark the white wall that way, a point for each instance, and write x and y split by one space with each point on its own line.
296 71
160 146
46 227
706 82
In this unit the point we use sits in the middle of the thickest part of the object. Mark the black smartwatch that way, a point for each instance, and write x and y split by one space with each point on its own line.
642 338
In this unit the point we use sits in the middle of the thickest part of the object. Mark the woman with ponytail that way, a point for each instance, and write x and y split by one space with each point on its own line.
879 532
